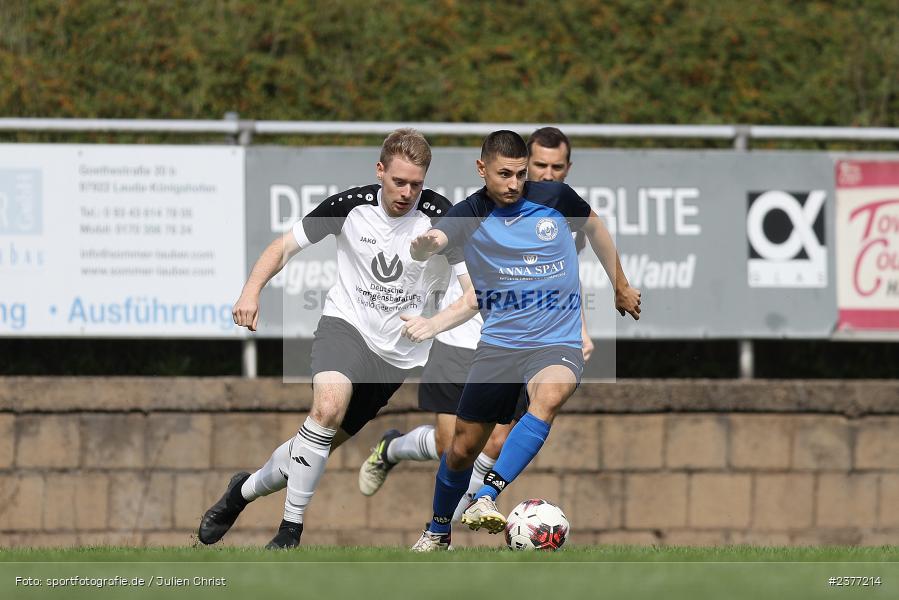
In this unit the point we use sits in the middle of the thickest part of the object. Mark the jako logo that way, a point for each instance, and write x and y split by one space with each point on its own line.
529 259
547 229
386 272
785 231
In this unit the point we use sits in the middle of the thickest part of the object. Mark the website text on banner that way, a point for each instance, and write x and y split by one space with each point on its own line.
111 241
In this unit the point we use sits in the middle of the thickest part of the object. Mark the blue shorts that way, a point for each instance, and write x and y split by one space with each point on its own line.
498 375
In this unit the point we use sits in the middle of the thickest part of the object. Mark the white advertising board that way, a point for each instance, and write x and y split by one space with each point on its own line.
120 240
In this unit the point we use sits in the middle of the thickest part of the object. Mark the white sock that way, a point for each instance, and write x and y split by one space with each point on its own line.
272 477
308 456
482 466
418 444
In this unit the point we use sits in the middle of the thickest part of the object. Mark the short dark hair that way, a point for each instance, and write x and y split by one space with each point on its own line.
505 143
550 137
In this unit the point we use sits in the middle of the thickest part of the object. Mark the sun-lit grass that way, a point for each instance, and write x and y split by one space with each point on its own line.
733 572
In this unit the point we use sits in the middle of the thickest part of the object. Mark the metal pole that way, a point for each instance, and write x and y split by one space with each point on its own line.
249 358
249 354
746 348
747 359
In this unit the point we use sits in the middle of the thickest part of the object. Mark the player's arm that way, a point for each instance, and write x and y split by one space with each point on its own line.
419 329
325 219
428 244
586 342
246 310
627 299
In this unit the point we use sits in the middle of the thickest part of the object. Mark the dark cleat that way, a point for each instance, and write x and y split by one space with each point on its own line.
219 519
288 536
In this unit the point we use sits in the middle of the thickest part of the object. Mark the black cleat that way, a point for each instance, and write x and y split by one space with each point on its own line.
219 519
288 536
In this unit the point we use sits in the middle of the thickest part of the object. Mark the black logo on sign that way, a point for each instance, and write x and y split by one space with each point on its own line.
785 231
386 272
785 225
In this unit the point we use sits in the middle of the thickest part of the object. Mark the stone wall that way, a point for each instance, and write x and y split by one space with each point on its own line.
136 461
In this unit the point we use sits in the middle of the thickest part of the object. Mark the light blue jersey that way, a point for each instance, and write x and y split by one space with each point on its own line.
523 263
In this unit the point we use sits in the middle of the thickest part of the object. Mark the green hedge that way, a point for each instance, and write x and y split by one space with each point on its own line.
590 61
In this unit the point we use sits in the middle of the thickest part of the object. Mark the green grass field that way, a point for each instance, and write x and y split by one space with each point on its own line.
733 572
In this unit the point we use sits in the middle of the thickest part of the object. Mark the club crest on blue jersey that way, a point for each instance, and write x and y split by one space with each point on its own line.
547 230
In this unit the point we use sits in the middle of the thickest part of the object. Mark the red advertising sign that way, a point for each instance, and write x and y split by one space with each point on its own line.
867 231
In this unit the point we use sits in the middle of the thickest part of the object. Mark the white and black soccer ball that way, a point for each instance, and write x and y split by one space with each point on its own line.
536 525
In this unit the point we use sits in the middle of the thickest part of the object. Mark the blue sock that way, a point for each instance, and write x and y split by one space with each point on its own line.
522 445
448 490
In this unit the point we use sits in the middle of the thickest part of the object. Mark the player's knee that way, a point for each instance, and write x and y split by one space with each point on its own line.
441 442
495 443
546 409
327 414
461 454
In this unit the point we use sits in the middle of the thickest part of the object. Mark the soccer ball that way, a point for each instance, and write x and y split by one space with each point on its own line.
536 525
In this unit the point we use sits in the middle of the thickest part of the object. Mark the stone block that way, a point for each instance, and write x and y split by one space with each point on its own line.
783 502
720 500
179 441
48 441
76 501
632 442
761 441
822 443
573 445
696 441
115 441
655 501
594 501
141 502
877 443
21 502
846 501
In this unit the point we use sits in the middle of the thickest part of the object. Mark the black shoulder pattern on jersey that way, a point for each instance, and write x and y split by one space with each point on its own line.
561 197
328 217
433 205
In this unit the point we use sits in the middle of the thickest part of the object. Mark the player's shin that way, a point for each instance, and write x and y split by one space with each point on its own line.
271 477
449 487
522 445
308 456
419 444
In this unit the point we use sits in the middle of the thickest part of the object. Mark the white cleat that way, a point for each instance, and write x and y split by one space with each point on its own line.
482 513
432 542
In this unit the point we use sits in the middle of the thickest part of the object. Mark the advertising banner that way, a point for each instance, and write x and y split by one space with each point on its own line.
868 245
120 240
723 244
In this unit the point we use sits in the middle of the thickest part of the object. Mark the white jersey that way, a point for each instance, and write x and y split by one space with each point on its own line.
377 279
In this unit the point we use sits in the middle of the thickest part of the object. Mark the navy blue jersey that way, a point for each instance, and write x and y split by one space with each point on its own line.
523 263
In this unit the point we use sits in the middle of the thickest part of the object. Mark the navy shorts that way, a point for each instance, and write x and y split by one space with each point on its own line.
444 378
497 376
521 406
338 346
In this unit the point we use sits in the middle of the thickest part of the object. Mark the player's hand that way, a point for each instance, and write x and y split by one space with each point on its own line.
586 346
246 311
425 245
627 300
418 329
